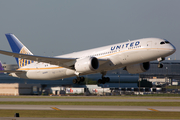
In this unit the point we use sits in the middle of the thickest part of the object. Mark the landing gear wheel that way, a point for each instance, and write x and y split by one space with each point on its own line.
78 80
82 79
103 80
107 79
74 81
99 81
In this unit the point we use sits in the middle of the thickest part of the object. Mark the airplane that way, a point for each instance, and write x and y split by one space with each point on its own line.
134 56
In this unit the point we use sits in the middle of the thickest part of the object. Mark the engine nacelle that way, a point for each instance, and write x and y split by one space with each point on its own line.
87 64
138 68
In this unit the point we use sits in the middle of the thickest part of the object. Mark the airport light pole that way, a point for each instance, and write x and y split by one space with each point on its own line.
119 85
139 84
166 78
119 80
86 84
103 89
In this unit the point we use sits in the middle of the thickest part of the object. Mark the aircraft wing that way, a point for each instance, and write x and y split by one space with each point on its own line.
64 62
12 71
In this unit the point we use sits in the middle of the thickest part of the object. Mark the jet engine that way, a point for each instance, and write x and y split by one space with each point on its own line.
87 64
138 68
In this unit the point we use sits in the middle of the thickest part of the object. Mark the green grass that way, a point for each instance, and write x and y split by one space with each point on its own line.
95 103
91 114
163 95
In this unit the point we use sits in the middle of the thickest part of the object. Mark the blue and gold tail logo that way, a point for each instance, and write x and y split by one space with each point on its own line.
24 62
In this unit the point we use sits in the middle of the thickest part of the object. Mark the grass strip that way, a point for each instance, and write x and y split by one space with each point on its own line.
91 114
94 103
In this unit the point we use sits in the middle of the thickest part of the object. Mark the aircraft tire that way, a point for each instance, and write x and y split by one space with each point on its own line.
103 81
82 79
107 79
74 81
99 81
78 80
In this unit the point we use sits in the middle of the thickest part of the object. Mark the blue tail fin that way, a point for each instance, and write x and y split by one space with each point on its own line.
18 47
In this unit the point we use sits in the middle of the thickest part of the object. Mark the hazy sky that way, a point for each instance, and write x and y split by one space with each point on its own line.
55 27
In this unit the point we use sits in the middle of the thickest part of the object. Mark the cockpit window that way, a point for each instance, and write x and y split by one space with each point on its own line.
167 42
162 42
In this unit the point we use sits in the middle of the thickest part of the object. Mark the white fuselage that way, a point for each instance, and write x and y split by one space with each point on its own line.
118 56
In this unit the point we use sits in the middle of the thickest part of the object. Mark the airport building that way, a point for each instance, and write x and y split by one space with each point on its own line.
121 79
19 89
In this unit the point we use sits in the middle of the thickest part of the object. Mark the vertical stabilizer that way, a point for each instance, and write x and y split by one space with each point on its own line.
18 47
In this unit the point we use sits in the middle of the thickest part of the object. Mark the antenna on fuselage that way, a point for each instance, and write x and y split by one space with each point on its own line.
129 40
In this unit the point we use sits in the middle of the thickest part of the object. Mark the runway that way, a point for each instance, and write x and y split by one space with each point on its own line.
90 108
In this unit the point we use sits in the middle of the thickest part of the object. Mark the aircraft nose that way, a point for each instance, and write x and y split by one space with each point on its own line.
173 48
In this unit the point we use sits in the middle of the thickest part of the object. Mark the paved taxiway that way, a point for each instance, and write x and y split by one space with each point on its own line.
86 107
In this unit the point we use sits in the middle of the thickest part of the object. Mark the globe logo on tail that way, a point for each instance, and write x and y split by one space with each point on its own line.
23 62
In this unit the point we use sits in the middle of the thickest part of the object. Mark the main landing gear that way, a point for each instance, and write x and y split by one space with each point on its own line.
104 79
78 80
160 65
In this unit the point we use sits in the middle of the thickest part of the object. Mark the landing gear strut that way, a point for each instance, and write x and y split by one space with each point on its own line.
160 65
78 80
104 79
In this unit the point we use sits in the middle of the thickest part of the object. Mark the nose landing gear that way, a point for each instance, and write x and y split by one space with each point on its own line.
160 65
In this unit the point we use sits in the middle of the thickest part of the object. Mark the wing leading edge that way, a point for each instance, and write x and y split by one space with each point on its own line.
63 62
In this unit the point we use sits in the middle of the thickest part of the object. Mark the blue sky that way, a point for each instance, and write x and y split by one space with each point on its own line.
55 27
